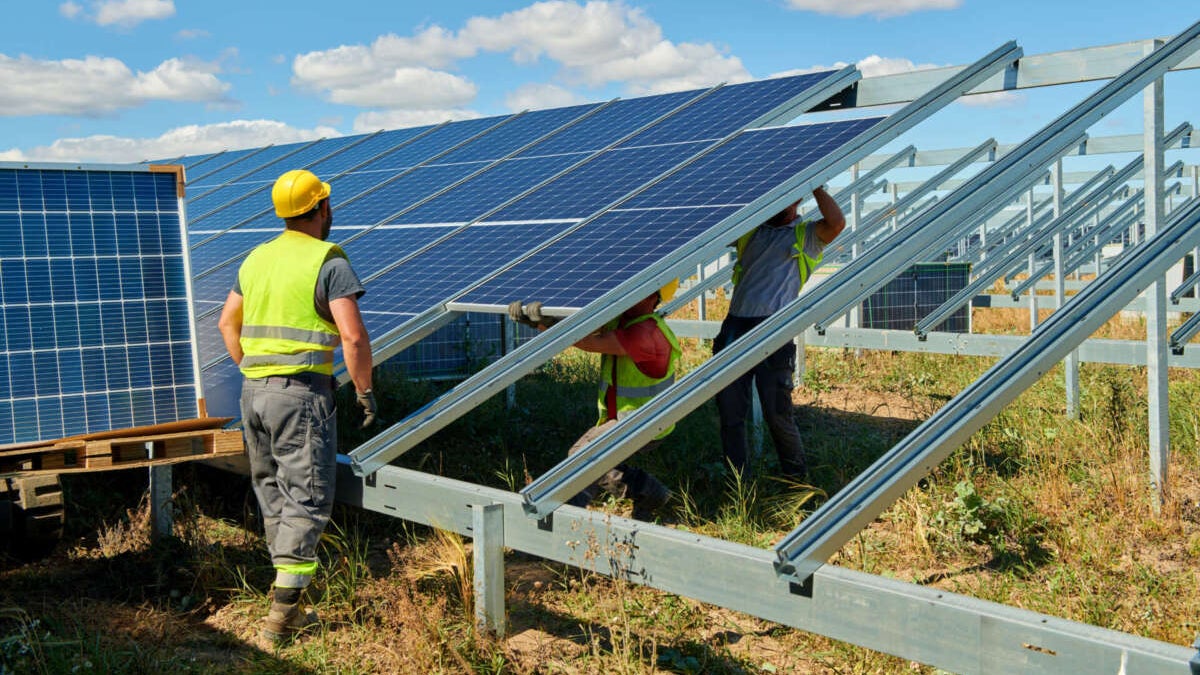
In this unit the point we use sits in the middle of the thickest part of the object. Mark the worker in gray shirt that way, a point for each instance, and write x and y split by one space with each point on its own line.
774 261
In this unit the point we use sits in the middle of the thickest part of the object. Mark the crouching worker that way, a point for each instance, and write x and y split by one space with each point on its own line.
639 355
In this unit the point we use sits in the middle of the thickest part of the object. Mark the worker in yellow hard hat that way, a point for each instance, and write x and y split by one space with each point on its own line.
295 300
639 357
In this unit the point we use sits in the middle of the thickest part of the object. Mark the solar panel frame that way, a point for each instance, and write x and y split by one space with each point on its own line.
94 300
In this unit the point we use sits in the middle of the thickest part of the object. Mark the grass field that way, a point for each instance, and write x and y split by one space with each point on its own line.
1036 511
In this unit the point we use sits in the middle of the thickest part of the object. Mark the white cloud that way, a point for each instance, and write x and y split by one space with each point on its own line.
880 9
186 140
594 44
70 9
536 96
192 34
398 119
410 88
123 13
98 85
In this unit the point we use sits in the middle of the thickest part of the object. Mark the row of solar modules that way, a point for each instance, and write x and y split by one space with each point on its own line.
95 331
427 214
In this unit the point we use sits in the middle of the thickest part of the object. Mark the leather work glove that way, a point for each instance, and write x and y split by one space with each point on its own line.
517 314
366 401
534 311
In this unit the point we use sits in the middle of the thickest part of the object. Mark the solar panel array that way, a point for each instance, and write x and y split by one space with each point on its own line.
96 331
427 214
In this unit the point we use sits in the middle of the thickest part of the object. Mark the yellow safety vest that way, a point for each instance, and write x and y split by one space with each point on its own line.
804 262
635 388
282 334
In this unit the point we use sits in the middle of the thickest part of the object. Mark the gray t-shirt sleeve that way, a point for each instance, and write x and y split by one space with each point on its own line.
813 246
336 280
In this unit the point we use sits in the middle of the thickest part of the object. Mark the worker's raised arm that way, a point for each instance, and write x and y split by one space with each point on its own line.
832 220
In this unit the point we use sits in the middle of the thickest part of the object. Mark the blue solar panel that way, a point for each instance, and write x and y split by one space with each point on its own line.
596 184
264 176
437 274
750 165
521 130
93 303
428 147
726 110
388 244
248 164
220 161
404 191
490 189
611 124
595 258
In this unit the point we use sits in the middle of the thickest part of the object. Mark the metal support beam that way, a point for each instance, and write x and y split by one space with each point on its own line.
487 530
946 630
1156 314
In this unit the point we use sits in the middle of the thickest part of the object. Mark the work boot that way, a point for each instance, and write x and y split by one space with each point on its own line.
285 622
653 496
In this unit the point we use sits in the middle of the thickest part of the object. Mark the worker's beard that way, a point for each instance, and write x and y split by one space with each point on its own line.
326 227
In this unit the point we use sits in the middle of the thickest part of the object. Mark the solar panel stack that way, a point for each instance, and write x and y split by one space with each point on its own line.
95 325
491 210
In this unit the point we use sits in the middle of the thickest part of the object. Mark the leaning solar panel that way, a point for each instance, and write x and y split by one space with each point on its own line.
96 328
581 266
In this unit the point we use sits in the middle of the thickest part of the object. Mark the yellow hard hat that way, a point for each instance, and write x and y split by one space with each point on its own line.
668 290
297 192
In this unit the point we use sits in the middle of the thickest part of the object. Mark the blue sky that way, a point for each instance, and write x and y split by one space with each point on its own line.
126 80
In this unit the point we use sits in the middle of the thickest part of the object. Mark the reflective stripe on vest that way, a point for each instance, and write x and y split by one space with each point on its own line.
633 387
805 264
282 334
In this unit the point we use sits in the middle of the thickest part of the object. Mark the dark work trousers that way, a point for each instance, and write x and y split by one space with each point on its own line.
622 481
773 378
290 427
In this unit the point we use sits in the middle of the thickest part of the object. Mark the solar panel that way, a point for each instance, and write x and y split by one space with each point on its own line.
582 265
96 330
247 164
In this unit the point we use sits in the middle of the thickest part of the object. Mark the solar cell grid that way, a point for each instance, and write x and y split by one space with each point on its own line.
610 124
596 184
93 303
220 161
371 147
750 165
522 130
489 189
386 245
406 190
248 164
428 147
726 110
437 274
593 259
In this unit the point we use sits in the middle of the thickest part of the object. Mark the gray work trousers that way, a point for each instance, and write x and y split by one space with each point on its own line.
622 481
290 427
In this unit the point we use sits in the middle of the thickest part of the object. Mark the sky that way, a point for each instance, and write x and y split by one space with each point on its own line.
107 81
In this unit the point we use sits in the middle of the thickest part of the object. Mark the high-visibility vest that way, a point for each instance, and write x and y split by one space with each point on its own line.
635 388
805 263
282 334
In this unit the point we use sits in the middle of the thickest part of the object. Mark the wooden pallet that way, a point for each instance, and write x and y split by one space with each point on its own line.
124 448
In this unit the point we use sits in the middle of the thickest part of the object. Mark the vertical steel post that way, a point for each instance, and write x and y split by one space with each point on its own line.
1071 363
488 534
508 342
701 300
161 518
1156 301
1033 305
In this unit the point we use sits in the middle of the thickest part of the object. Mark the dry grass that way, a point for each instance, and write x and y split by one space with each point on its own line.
1036 511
